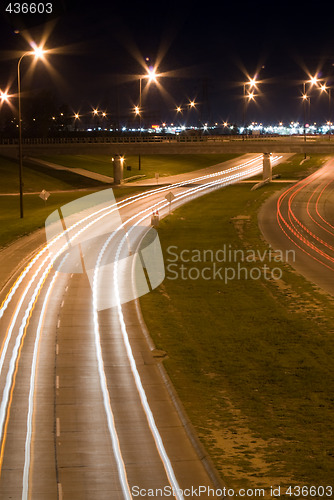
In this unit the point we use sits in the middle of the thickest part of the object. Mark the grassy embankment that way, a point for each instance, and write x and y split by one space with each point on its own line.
37 178
69 186
165 165
252 360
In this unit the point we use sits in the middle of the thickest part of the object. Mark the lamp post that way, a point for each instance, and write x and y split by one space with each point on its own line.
152 77
38 53
305 98
250 96
327 90
4 97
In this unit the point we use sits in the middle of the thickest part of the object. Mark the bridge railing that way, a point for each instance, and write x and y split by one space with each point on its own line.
160 139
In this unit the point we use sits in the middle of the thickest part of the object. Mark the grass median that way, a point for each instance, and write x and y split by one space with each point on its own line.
64 187
67 186
251 358
165 165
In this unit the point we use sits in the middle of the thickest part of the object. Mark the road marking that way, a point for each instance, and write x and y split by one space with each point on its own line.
120 204
58 323
57 382
7 395
57 349
28 446
62 304
159 444
106 398
109 209
57 427
60 491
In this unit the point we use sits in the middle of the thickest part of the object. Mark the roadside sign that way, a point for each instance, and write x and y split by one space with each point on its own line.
44 195
170 197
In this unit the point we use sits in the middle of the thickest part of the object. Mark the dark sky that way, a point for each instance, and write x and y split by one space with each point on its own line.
203 49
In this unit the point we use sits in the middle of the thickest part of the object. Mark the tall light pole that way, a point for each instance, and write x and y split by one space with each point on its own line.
328 90
250 96
151 76
37 52
307 99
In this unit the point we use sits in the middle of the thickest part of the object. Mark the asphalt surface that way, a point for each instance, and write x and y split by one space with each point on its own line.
85 411
300 220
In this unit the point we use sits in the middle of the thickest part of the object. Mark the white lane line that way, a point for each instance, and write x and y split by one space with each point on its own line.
57 349
5 304
26 470
112 208
120 204
60 491
57 382
149 415
12 363
58 323
147 409
57 427
62 304
106 398
17 310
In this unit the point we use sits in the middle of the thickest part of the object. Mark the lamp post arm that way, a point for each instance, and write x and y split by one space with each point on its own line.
20 132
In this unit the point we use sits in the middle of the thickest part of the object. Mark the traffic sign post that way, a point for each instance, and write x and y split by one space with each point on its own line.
44 195
170 197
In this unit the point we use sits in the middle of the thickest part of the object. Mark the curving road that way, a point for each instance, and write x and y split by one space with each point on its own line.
301 219
86 411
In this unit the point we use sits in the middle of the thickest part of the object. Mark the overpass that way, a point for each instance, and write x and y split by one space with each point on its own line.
157 144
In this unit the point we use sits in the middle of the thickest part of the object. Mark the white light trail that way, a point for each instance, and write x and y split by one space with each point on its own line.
108 210
27 455
155 432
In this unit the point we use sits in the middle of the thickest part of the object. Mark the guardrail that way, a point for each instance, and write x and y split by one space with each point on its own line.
159 139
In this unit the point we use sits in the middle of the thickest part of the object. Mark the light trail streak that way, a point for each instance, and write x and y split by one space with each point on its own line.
293 223
120 204
27 455
149 415
111 209
14 288
12 369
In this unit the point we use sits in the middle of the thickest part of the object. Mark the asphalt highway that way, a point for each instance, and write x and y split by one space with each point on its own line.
301 220
85 412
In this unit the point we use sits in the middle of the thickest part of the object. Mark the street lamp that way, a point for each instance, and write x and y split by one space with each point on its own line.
250 96
151 76
38 53
306 99
328 90
4 97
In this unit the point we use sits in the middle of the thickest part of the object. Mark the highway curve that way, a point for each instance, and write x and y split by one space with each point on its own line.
84 409
301 218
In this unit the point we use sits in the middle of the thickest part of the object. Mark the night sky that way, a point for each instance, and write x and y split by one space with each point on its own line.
204 52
